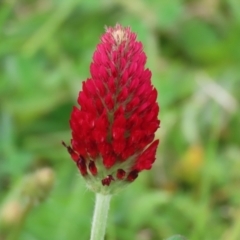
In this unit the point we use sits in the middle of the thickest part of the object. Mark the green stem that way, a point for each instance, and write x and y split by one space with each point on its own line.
100 216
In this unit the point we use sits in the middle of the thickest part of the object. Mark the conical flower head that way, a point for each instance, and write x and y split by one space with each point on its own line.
113 129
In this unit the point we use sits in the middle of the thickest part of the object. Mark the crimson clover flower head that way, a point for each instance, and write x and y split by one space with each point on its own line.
113 130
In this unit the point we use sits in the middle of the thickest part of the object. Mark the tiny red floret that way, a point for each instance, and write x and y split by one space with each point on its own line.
73 154
132 175
82 165
121 174
106 181
92 168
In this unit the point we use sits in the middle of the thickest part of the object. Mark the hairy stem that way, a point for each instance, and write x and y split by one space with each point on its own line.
100 216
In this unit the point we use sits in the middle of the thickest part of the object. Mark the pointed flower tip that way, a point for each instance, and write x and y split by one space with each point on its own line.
113 127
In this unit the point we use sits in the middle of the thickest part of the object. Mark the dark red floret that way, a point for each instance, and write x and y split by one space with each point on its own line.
82 165
106 181
121 174
132 175
92 168
73 154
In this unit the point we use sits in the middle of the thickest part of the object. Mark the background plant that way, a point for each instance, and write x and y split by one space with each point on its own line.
193 51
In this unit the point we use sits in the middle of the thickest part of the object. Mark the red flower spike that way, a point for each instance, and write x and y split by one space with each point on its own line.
92 168
114 126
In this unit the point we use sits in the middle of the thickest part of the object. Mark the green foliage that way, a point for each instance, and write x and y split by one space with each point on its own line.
193 52
177 237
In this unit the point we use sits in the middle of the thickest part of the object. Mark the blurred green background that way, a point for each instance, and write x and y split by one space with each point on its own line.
194 55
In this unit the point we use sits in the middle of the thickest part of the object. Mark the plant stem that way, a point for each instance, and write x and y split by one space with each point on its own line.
100 216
